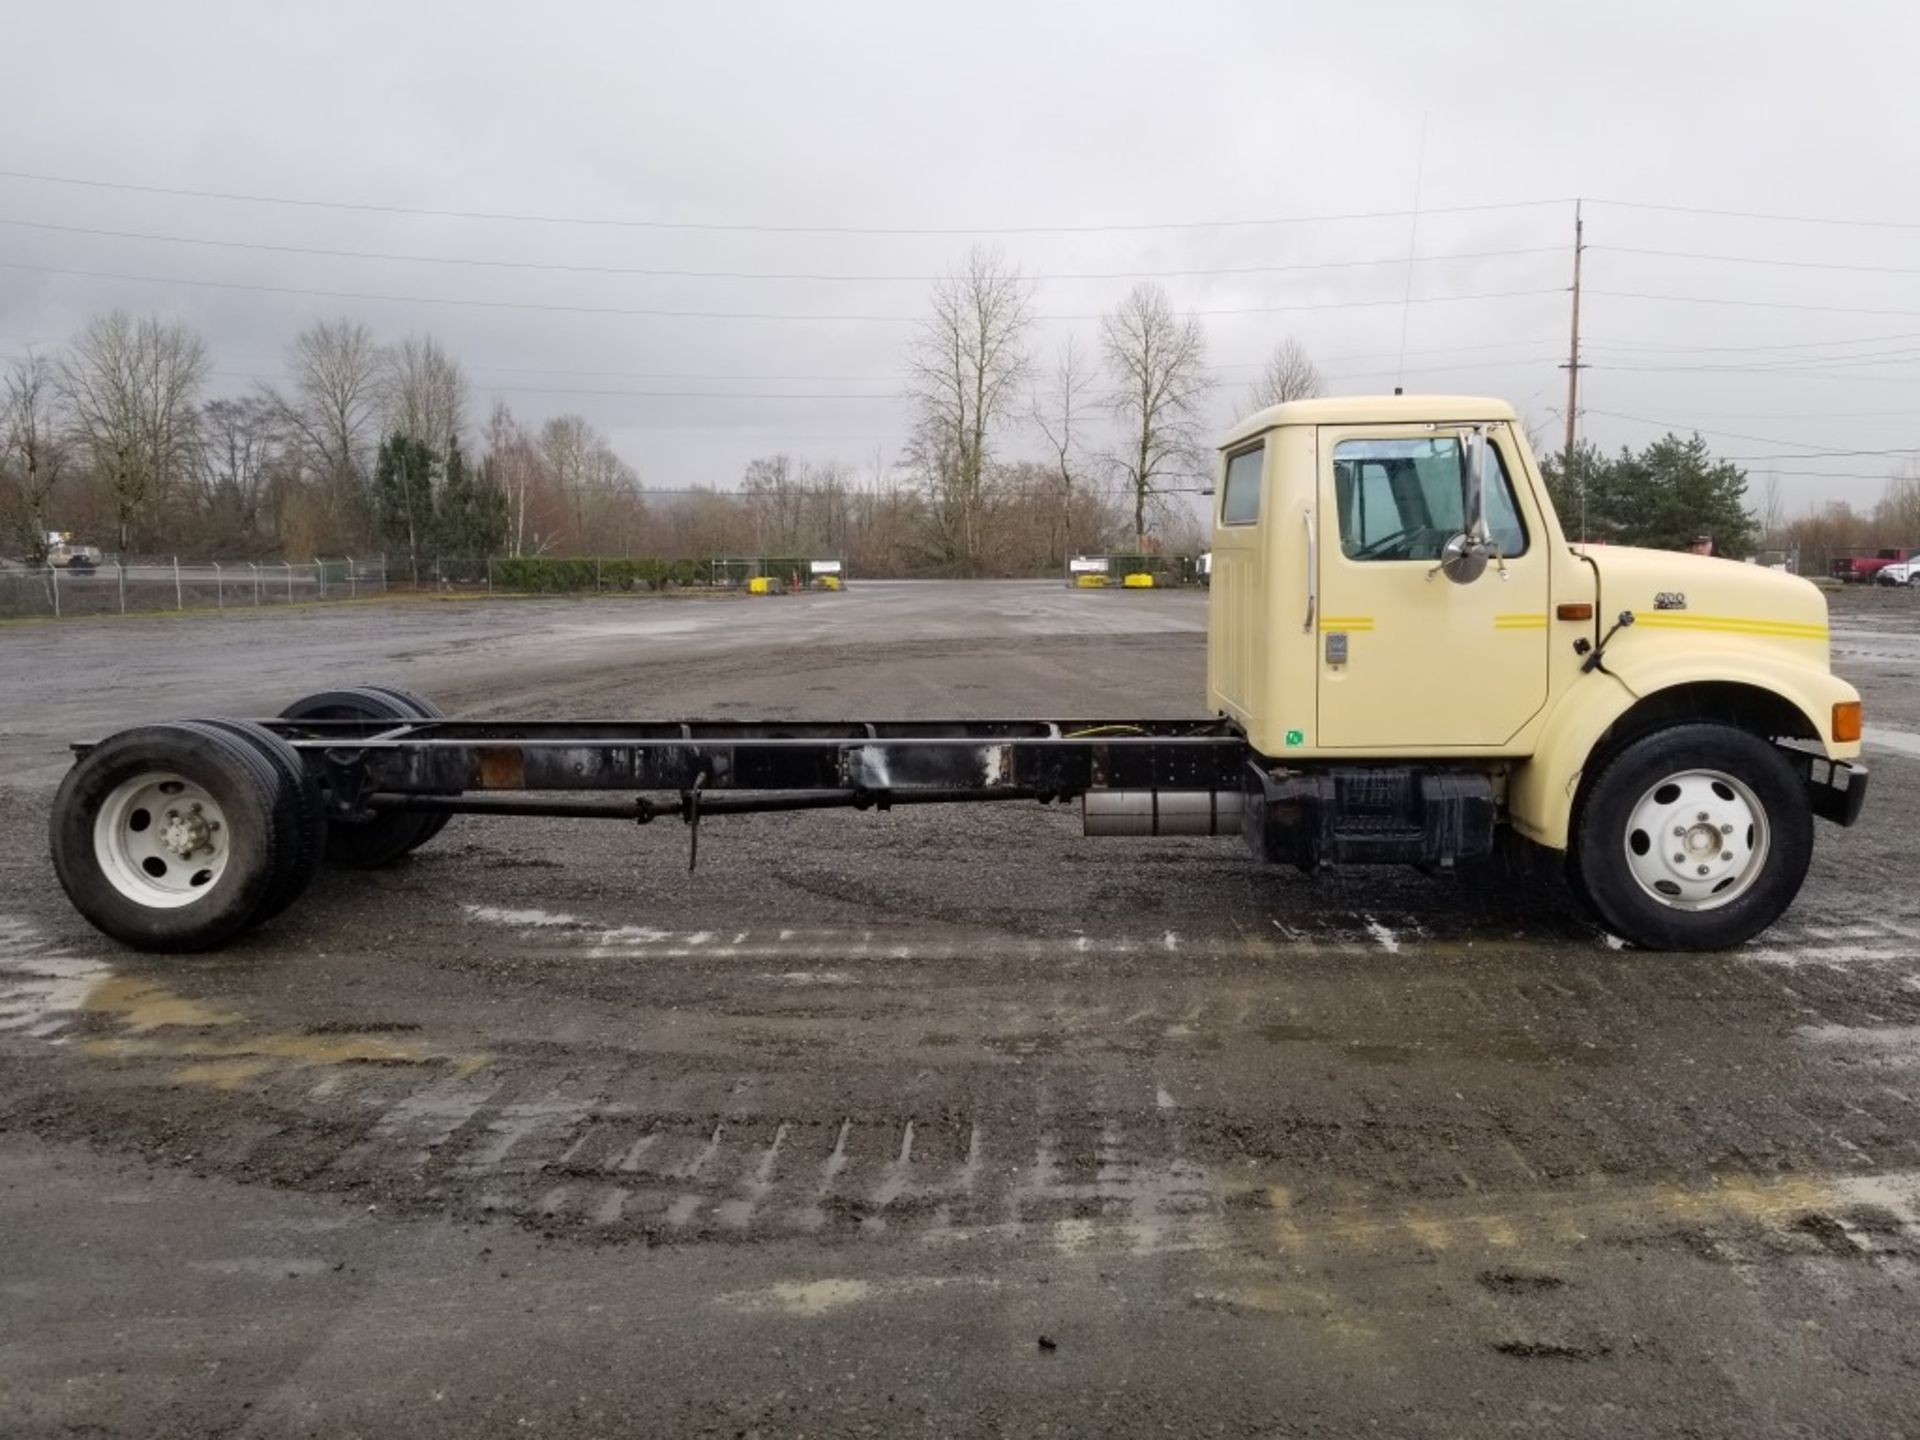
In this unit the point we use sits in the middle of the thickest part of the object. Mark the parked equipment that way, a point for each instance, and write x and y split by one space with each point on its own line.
1860 569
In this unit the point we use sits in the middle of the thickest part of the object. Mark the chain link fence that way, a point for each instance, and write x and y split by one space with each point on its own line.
146 586
611 575
138 587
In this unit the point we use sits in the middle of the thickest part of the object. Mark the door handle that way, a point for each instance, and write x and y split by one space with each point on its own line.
1313 571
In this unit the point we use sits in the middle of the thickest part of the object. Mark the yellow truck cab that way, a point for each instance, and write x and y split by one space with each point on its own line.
1416 654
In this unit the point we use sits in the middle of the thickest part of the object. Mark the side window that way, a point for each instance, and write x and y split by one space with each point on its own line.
1240 494
1400 499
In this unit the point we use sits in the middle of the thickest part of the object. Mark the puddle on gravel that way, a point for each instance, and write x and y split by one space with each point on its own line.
818 1297
139 1006
47 991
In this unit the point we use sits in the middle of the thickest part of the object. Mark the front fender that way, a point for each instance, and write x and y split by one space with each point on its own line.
1541 789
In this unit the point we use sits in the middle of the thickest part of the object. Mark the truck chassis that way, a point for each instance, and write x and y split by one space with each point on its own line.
179 836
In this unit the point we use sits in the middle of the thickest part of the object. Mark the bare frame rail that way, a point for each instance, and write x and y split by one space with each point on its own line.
469 766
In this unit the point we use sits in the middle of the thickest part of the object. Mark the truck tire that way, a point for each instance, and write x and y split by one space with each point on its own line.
1695 837
309 834
367 844
423 709
176 837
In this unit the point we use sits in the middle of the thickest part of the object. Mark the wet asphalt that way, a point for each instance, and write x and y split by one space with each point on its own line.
932 1122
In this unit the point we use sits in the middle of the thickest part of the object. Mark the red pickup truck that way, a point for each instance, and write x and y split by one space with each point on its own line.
1856 568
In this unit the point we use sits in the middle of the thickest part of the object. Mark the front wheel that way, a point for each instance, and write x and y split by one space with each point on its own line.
1695 837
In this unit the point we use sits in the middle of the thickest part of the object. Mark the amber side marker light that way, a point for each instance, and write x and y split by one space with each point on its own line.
1846 720
1578 611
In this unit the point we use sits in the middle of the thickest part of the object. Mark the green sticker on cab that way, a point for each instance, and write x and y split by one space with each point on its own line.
1296 737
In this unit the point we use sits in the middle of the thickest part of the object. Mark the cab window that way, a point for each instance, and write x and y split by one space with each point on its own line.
1240 494
1400 499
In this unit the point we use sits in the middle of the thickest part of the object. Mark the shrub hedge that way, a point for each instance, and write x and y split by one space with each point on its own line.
543 575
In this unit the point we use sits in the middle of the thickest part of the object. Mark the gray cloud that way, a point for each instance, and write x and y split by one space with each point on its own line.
1000 119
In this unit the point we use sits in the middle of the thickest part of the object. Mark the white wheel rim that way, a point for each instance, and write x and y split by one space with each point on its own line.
162 841
1697 840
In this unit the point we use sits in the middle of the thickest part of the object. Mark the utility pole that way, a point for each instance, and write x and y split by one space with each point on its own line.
1572 367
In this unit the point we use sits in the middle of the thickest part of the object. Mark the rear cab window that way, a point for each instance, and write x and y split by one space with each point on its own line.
1240 492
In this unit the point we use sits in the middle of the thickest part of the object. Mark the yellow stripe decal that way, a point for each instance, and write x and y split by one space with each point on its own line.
1730 624
1519 622
1346 622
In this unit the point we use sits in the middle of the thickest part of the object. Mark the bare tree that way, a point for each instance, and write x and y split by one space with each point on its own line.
595 481
1290 374
241 444
1898 513
131 389
335 403
515 466
1060 414
32 449
424 392
1158 363
965 371
1772 512
773 493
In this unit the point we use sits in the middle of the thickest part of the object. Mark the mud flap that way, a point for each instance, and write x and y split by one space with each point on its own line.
1836 789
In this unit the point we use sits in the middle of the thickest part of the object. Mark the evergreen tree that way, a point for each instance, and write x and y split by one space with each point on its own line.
1688 493
1572 488
1662 497
471 511
403 496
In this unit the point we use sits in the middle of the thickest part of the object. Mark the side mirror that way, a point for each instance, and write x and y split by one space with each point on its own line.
1464 558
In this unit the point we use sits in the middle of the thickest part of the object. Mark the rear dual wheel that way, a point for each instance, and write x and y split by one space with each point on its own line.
180 836
383 838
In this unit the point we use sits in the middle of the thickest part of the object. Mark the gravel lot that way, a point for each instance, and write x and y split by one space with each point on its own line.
928 1123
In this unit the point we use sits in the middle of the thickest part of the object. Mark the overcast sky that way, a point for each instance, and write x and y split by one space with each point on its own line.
1098 139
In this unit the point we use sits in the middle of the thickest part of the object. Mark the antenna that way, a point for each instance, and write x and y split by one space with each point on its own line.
1413 237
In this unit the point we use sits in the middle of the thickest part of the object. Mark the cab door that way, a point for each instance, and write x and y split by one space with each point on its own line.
1407 658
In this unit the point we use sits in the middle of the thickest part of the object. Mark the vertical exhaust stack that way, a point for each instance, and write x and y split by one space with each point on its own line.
1134 813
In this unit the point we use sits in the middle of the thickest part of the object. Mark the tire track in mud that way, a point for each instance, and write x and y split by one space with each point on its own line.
1034 1138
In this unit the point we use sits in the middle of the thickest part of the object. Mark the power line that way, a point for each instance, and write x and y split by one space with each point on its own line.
622 222
1799 364
1757 304
891 397
1812 452
1514 363
1813 415
1911 450
560 267
1757 260
1881 476
1761 215
887 379
662 313
718 226
1654 347
1817 372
